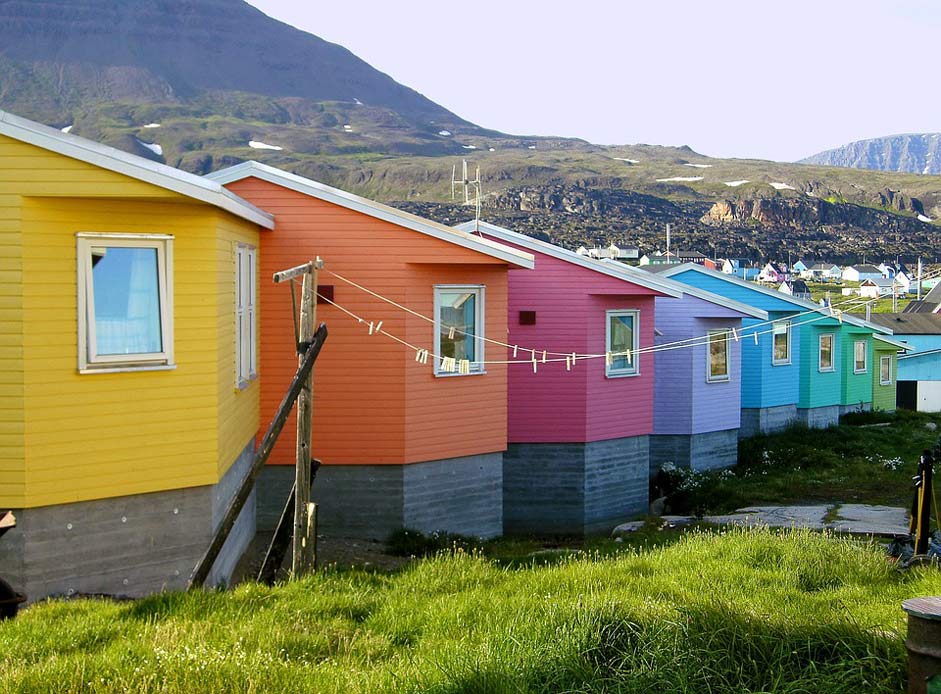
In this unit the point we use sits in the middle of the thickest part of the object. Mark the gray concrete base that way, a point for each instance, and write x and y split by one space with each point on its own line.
710 450
766 420
574 488
130 545
457 495
858 407
819 417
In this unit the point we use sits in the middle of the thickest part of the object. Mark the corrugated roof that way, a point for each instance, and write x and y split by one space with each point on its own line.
908 323
112 159
372 208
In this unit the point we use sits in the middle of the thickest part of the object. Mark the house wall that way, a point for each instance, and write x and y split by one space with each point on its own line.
763 384
929 396
819 388
373 404
558 406
883 396
856 388
95 436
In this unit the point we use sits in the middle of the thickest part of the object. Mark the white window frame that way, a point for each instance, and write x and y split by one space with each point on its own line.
476 366
885 360
633 368
787 334
856 344
246 325
725 334
89 361
820 367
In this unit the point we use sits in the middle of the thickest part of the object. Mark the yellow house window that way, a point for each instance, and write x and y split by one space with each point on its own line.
245 325
125 301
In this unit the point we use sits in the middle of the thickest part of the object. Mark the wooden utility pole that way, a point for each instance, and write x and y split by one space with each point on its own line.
305 513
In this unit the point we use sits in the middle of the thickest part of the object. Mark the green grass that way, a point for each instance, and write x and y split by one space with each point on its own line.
739 611
851 463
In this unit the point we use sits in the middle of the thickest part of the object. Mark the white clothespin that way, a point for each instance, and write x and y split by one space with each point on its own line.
543 356
573 358
628 355
756 336
568 363
608 359
464 367
370 328
379 326
734 335
451 333
535 366
515 347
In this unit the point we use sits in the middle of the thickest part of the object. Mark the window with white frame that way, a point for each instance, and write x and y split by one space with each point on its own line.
718 357
125 301
825 353
885 370
245 325
781 342
621 343
859 357
459 329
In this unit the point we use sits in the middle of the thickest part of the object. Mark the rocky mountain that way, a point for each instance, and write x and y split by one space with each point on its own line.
917 153
203 84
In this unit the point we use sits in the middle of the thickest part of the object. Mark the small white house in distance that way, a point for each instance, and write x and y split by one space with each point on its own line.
798 268
858 273
873 289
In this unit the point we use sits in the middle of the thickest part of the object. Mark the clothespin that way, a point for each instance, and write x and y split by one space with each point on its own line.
573 358
734 335
448 364
608 359
628 355
535 367
464 367
370 328
756 336
568 363
451 333
515 347
424 356
543 356
379 326
839 314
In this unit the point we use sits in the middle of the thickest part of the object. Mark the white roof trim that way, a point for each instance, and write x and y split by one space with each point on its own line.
616 270
372 208
894 343
801 303
145 170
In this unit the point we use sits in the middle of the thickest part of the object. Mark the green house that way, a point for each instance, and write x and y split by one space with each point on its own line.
856 359
884 372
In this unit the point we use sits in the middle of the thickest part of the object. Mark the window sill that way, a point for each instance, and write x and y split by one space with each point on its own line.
859 373
719 379
826 371
127 369
449 374
781 363
245 383
617 375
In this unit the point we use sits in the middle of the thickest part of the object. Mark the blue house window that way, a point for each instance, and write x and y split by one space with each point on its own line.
459 329
125 301
621 343
781 343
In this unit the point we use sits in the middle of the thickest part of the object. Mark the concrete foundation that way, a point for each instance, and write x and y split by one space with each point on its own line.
819 417
574 488
858 407
128 546
457 495
766 420
710 450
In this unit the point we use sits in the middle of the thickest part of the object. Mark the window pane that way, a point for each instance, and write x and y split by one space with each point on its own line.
127 300
621 336
781 337
885 369
826 351
718 355
860 348
458 310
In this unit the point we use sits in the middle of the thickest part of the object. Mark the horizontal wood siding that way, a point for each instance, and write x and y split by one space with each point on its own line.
238 408
360 413
620 407
673 396
97 435
716 405
553 405
819 388
12 425
856 388
883 396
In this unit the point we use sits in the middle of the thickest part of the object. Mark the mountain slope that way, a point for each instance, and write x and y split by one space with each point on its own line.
914 153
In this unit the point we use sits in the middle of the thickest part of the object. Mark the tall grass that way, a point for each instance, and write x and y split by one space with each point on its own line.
740 611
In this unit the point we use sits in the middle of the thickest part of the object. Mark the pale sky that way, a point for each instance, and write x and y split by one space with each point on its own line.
730 78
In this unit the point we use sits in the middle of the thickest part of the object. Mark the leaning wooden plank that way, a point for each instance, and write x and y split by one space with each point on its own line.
201 572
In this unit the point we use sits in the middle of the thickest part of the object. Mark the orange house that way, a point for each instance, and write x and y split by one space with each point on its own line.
405 442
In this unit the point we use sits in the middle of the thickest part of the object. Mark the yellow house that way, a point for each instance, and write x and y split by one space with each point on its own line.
128 389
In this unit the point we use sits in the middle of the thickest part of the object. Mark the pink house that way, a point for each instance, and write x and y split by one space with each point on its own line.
577 457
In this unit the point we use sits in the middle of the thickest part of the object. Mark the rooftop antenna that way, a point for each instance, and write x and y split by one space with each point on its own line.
468 185
668 238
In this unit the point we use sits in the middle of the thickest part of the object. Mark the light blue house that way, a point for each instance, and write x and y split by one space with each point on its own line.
794 364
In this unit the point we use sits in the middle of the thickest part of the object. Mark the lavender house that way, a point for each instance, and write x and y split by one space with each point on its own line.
697 398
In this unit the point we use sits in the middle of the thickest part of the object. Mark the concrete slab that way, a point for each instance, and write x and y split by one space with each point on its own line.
862 519
775 517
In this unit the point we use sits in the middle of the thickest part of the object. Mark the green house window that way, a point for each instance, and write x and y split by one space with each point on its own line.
825 358
885 370
859 357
